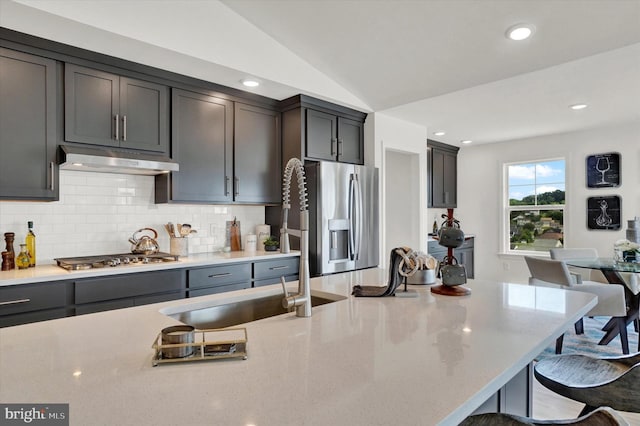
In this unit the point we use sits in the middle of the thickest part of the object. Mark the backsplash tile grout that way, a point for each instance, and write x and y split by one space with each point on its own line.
98 212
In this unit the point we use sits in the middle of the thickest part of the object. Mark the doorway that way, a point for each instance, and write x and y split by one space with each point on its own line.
402 201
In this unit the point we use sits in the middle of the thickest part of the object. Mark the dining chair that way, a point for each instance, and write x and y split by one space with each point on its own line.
579 253
603 416
630 278
611 301
596 382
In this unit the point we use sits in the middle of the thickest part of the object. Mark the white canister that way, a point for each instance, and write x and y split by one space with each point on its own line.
250 242
262 232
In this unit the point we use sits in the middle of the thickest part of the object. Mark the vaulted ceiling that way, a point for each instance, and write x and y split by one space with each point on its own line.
443 64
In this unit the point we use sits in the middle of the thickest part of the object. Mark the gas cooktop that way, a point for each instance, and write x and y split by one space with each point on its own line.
112 260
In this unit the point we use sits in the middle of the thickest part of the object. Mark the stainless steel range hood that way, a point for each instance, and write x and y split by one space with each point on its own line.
107 160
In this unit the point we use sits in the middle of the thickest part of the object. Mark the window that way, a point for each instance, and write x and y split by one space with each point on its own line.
534 206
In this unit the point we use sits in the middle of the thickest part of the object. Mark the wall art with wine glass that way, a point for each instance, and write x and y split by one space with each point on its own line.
603 170
604 212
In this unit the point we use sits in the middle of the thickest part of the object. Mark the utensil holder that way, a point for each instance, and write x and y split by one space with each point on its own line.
179 246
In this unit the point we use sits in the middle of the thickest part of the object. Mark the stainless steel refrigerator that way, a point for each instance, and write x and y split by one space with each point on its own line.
343 216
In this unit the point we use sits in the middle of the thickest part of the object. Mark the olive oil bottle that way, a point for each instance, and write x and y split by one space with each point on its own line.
31 244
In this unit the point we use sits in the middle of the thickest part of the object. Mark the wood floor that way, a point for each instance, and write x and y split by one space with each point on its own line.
549 405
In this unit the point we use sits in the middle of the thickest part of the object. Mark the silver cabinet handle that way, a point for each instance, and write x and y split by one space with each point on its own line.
52 166
226 185
333 143
275 268
339 146
237 186
124 128
117 120
15 302
226 274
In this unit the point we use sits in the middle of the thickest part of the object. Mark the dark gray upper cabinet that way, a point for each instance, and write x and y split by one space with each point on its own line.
322 135
257 155
228 152
317 130
334 138
202 143
106 109
442 174
28 126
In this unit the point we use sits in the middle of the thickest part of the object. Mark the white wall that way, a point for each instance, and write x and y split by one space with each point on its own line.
384 135
98 212
480 192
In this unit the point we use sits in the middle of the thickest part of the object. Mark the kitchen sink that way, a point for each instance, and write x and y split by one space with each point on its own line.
243 311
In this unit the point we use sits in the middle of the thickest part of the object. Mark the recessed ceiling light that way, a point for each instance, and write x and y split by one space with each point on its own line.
250 83
466 141
439 133
520 32
578 106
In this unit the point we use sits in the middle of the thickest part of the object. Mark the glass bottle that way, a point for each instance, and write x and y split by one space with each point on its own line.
22 260
31 244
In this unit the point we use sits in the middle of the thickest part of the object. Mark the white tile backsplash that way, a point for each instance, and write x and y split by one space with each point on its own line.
98 212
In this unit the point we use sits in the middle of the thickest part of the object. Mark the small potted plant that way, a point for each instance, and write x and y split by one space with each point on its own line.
271 244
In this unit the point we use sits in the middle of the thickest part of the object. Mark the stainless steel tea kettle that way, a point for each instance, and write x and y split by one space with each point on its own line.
145 244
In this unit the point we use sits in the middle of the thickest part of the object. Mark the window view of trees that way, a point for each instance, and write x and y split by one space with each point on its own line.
536 205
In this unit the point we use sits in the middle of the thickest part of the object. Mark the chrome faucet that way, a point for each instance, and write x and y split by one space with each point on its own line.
302 300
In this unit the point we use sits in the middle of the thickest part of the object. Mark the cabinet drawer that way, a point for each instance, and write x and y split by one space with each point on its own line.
218 289
220 275
29 317
275 268
269 281
33 297
130 285
111 305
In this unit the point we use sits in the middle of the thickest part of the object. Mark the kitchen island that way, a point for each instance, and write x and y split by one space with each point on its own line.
424 360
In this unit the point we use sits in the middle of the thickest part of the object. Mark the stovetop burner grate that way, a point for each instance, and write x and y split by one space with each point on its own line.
112 260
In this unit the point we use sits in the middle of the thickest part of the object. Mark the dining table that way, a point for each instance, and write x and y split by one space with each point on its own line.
612 271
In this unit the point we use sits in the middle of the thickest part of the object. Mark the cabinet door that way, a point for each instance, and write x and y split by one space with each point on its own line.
91 102
257 155
322 133
444 177
350 141
28 122
144 115
202 143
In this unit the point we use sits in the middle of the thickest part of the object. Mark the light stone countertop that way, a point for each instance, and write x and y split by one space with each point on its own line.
52 272
424 360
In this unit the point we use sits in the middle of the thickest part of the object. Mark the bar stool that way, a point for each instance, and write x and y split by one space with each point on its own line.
596 382
601 417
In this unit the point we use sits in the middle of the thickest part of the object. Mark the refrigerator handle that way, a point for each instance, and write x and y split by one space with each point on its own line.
360 218
352 218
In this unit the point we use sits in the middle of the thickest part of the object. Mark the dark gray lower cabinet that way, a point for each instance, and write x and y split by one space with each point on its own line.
122 291
219 279
269 271
25 303
21 304
515 397
28 123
